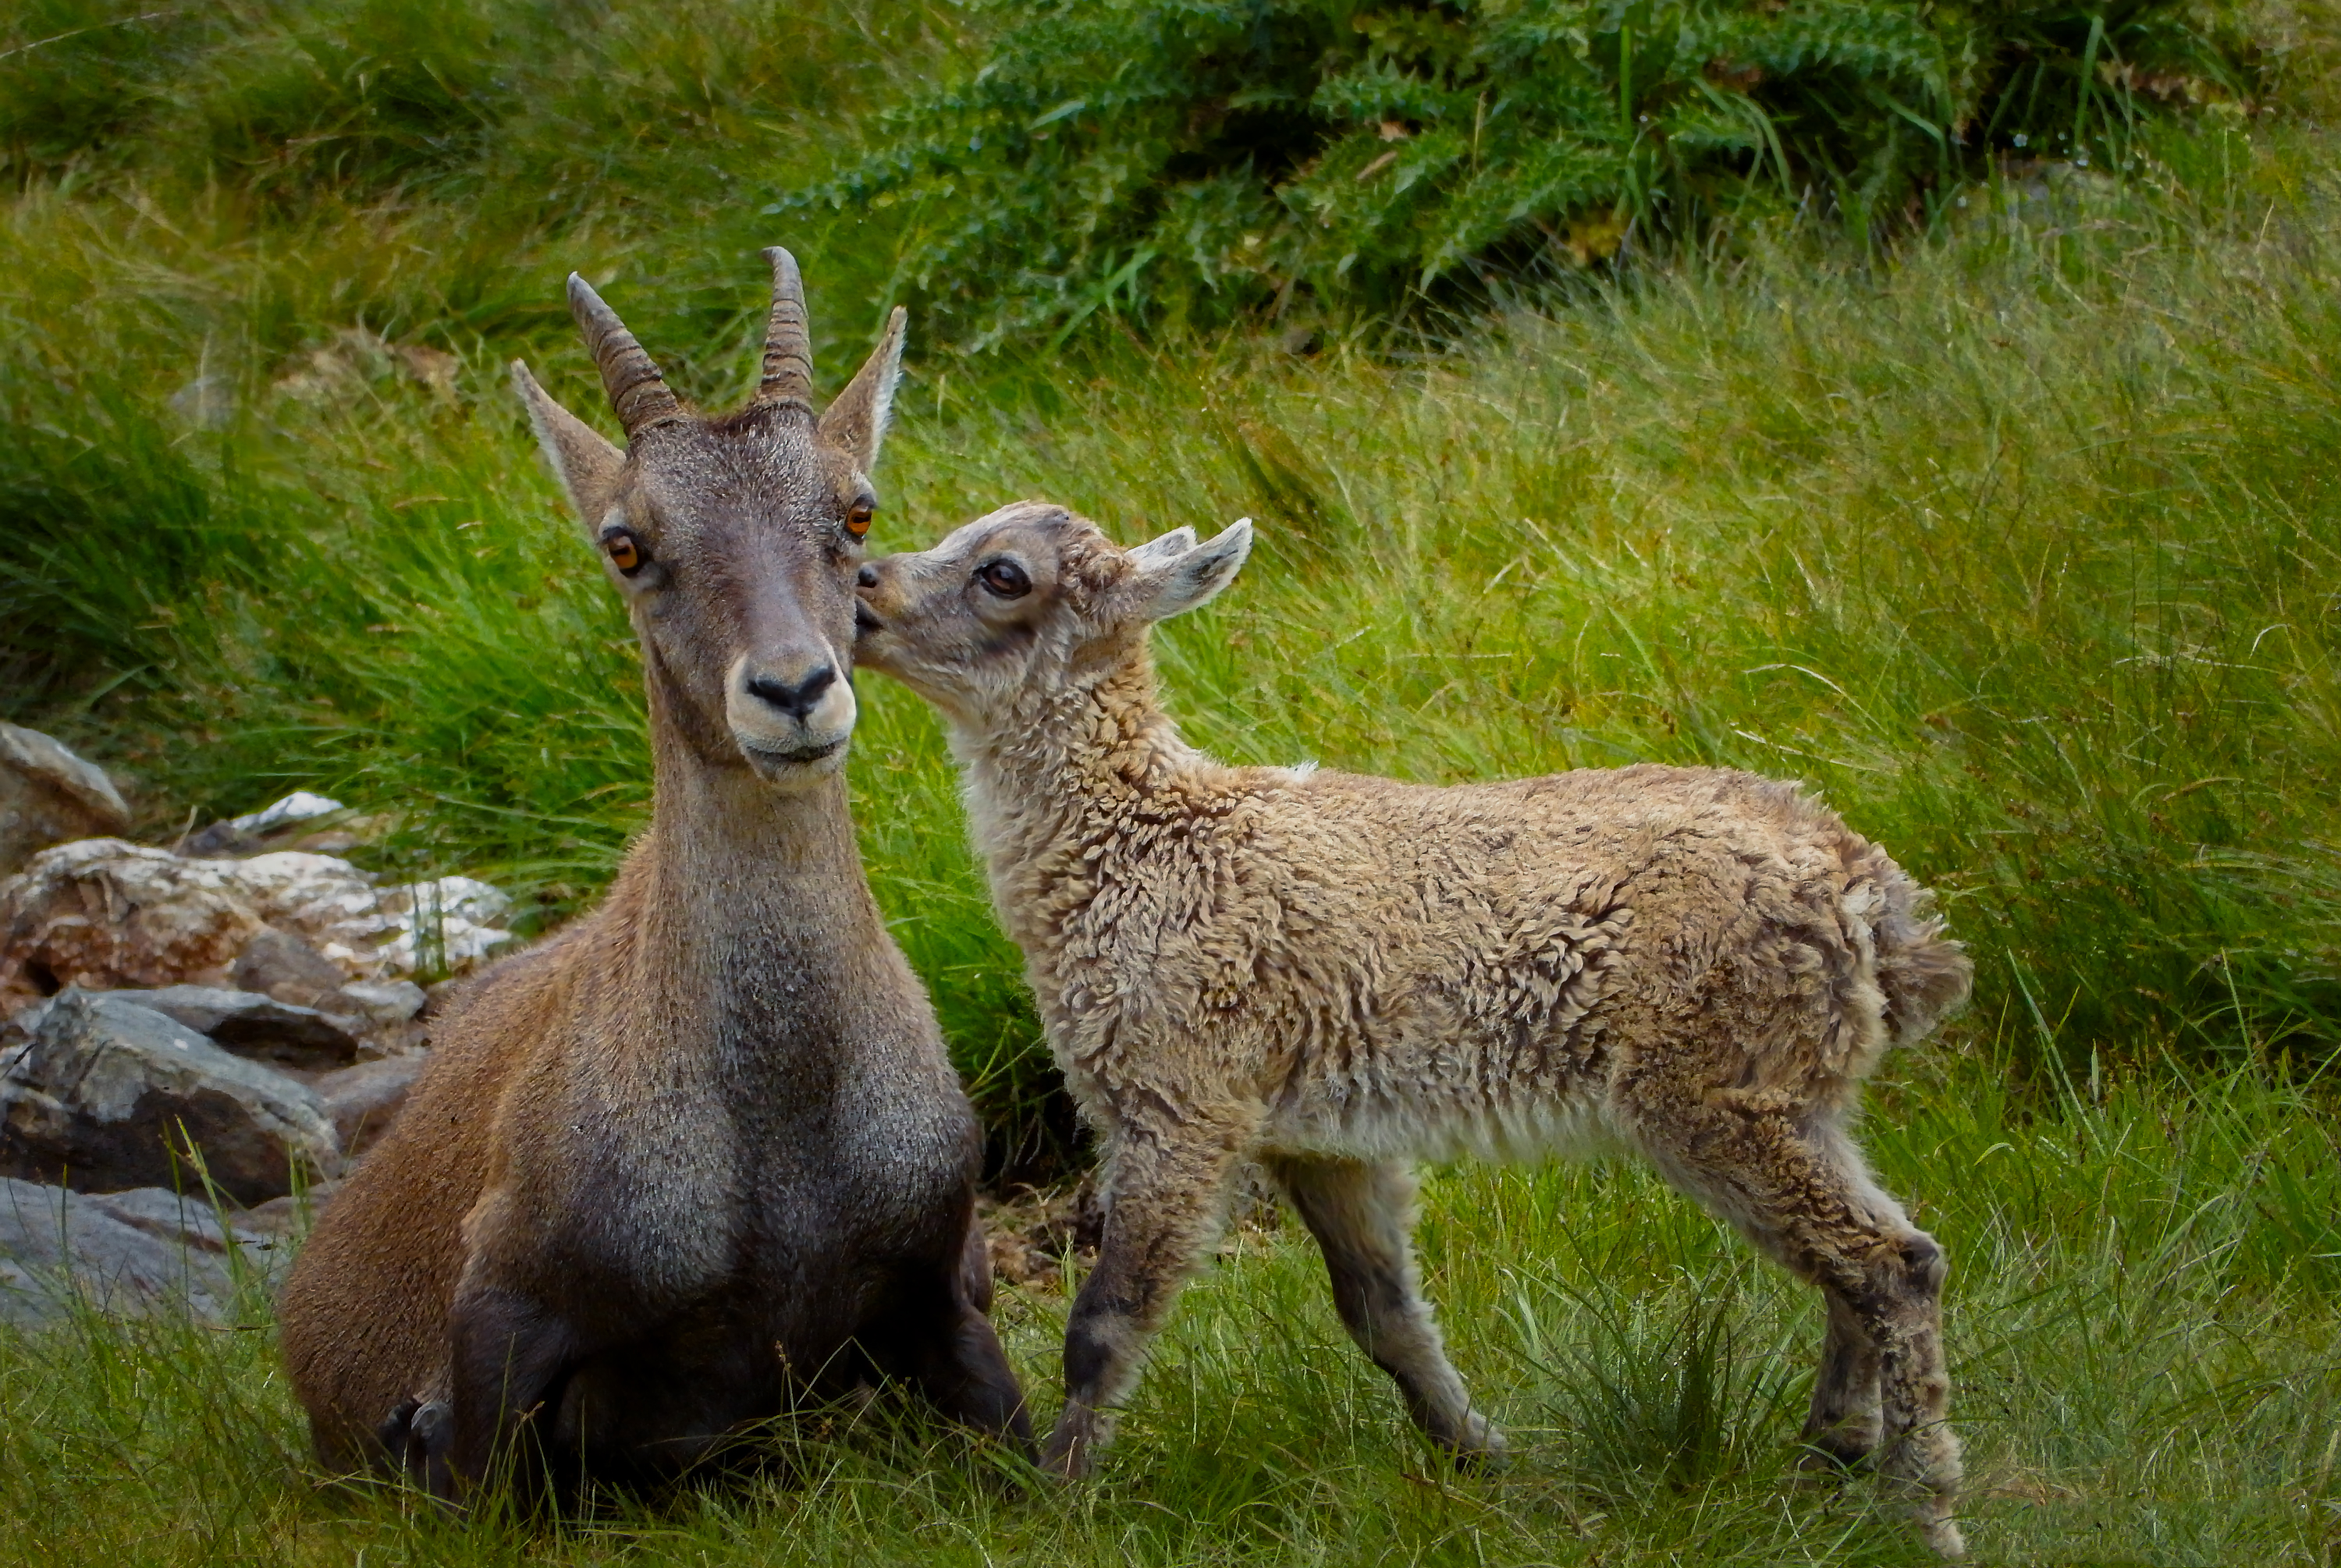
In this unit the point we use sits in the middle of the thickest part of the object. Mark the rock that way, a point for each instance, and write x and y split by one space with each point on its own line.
125 1253
289 1218
329 904
300 821
104 914
449 923
356 357
48 796
101 913
386 1003
278 964
300 806
107 1094
363 1099
258 1028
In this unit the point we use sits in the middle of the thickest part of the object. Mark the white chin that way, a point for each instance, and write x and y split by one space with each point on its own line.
801 761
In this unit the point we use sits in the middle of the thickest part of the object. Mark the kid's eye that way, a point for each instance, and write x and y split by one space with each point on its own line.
857 522
625 552
1006 578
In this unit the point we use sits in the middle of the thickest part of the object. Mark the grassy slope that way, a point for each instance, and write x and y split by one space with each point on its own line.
2142 1336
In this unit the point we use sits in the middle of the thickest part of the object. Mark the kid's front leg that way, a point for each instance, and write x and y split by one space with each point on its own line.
1167 1197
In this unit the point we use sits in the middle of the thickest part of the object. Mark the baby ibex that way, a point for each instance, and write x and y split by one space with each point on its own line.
1335 974
702 1154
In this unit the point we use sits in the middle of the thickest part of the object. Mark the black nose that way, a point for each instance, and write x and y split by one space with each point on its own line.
797 701
867 577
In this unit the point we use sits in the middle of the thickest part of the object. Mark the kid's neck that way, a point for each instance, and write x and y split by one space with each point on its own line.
1088 748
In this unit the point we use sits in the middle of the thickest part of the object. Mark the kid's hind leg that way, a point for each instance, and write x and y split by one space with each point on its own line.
1844 1424
1804 1198
1362 1217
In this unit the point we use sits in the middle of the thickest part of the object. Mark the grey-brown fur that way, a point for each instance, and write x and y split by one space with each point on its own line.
702 1155
1337 976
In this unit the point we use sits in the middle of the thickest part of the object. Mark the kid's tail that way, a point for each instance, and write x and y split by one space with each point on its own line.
1924 975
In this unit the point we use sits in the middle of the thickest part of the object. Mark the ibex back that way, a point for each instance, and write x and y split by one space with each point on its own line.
700 1155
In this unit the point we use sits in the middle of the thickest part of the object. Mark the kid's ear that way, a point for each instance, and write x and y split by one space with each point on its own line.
1156 552
587 465
1181 582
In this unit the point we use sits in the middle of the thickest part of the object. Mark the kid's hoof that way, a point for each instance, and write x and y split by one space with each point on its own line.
1835 1454
1480 1449
1073 1446
1941 1534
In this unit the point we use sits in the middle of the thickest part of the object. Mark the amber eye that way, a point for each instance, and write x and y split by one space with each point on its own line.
1006 578
624 552
857 522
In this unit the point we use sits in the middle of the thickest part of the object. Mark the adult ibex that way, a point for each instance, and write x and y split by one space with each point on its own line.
700 1155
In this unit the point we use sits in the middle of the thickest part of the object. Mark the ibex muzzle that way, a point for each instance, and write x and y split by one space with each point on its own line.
734 540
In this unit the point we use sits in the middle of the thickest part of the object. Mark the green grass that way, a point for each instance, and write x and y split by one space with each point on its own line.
2141 1328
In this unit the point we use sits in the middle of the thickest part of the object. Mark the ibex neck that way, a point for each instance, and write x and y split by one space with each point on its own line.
726 848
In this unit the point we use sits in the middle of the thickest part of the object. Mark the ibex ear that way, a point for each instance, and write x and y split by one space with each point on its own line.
1154 552
1179 583
856 422
587 465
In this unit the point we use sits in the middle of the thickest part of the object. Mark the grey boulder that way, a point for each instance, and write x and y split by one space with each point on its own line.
255 1026
123 1254
107 1094
286 967
48 795
363 1099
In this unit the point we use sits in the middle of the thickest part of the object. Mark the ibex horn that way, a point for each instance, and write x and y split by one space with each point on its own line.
787 346
638 392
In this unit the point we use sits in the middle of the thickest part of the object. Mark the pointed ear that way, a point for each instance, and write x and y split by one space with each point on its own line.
1194 577
1157 552
587 466
856 422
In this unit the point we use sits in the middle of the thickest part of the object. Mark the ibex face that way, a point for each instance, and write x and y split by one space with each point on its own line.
1024 601
734 540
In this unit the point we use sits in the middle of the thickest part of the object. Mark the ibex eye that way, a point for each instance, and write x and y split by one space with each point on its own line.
1006 578
625 552
857 522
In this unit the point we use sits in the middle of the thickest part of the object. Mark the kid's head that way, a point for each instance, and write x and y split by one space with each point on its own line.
1028 599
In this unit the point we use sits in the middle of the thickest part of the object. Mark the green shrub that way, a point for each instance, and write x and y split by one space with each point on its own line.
1198 158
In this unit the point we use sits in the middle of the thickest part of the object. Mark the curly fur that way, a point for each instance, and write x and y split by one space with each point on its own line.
1335 974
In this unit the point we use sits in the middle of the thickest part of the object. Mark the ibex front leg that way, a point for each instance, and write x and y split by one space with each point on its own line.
1167 1196
509 1353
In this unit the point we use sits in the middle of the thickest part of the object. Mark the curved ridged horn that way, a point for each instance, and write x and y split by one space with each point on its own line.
638 392
788 344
